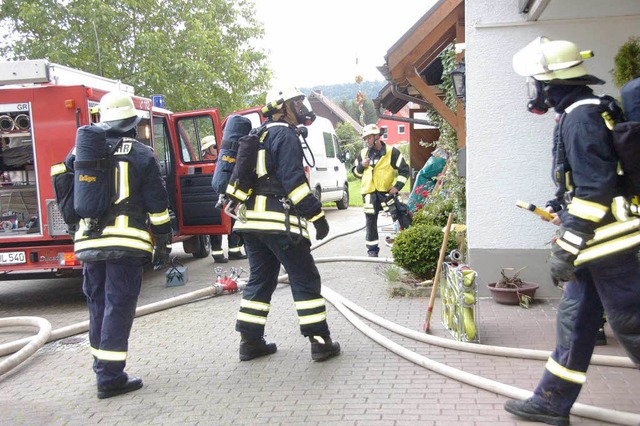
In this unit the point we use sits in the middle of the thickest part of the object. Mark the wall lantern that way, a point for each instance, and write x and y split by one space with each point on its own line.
458 79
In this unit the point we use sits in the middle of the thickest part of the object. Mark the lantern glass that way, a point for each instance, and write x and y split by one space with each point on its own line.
458 78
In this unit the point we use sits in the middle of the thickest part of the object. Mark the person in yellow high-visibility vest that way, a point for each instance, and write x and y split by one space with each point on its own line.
376 165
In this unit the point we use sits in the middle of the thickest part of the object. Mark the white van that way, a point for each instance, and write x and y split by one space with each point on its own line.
324 164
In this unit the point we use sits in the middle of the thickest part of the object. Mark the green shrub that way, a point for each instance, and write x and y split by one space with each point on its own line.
417 249
627 62
435 212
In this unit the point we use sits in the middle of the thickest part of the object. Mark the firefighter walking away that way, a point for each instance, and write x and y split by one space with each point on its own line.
115 247
278 205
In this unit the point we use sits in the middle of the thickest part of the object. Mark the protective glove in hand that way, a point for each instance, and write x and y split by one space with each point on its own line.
161 250
322 228
564 250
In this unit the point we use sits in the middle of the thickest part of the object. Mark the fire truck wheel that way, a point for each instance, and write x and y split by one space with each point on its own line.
203 247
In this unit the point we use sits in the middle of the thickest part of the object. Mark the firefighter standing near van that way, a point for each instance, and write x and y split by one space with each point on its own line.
209 149
274 216
113 255
376 166
587 197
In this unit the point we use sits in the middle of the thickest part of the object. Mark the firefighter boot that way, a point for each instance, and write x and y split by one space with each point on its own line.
601 338
131 384
529 410
323 348
251 347
236 255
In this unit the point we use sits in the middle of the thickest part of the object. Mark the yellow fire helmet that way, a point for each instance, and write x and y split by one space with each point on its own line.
546 60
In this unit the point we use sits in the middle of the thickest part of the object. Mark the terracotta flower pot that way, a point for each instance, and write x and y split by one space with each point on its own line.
511 295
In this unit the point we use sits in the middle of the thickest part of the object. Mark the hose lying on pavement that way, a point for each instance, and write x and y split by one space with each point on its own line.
32 344
83 326
344 306
597 413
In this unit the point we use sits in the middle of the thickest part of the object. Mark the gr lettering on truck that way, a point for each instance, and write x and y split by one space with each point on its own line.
41 106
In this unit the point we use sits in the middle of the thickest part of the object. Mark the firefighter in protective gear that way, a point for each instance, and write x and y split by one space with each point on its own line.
376 165
279 207
588 197
113 258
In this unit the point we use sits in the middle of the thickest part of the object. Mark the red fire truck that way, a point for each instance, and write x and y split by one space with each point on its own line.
41 106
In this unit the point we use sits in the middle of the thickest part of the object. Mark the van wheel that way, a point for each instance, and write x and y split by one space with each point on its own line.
344 202
203 247
317 192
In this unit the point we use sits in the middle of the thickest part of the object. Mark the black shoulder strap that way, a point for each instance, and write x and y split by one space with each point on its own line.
560 169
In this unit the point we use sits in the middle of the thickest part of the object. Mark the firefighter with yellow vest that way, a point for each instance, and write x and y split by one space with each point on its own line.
114 253
376 165
592 253
278 204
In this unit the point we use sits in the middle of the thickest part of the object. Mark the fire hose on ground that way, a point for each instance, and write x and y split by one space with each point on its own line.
346 308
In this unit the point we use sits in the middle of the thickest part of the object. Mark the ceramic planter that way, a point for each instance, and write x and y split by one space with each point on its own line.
510 295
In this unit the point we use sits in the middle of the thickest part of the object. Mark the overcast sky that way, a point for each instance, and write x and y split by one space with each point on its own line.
314 42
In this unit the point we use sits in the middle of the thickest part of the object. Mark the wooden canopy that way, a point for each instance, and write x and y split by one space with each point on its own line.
411 61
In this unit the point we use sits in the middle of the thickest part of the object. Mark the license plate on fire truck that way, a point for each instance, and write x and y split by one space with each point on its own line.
12 258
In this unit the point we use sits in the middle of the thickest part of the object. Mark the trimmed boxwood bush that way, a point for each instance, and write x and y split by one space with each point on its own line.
417 249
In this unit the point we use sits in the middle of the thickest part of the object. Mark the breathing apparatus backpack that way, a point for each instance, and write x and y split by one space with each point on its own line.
626 138
83 187
237 127
92 173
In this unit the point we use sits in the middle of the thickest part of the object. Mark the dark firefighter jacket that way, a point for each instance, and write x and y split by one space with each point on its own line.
380 175
280 201
589 170
140 205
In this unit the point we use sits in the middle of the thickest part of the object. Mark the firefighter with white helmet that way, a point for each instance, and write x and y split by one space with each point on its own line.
589 195
376 165
278 205
114 253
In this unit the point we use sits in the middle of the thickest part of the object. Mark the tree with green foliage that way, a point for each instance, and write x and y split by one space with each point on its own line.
198 53
350 141
352 108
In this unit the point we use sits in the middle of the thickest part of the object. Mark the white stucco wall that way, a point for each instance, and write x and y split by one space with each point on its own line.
509 149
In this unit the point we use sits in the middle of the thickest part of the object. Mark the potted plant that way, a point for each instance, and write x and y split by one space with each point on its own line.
511 290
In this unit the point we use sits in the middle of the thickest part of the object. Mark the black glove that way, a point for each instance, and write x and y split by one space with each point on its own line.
161 250
564 250
322 228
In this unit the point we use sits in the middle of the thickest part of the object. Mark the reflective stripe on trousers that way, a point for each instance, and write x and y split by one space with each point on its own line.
266 253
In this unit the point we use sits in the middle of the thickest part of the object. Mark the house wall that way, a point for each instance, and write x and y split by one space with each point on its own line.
509 149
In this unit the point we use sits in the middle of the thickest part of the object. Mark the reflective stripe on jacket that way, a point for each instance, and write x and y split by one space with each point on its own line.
281 201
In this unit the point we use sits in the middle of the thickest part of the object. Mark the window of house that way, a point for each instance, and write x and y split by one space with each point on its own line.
383 132
401 129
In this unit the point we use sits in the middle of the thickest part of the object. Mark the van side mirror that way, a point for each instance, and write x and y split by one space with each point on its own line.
346 157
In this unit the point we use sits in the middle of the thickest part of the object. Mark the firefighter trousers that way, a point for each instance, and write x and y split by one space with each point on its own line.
112 288
372 207
612 283
266 253
234 240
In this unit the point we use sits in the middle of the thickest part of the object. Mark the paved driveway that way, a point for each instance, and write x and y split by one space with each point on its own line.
188 357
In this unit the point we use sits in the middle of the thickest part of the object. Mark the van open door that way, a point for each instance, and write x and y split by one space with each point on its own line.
190 174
